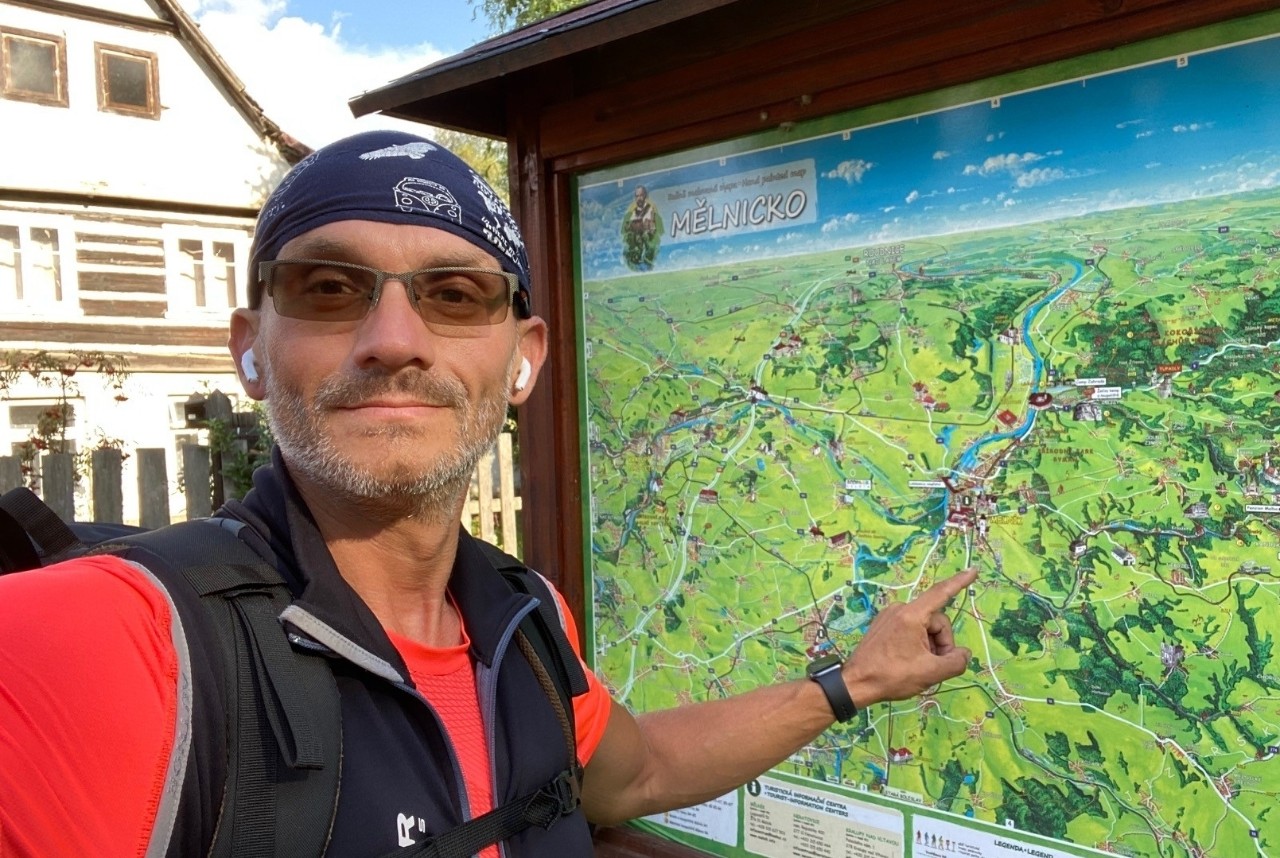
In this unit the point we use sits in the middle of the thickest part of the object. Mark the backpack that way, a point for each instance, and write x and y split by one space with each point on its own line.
285 736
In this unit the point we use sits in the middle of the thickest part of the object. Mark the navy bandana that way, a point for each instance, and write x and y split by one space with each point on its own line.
389 177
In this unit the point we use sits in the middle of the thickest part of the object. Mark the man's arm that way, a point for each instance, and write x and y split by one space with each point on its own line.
690 754
88 707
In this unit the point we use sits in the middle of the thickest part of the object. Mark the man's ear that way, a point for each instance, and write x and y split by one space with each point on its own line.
531 351
243 336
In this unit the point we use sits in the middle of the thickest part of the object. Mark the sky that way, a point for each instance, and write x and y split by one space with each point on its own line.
1160 133
301 60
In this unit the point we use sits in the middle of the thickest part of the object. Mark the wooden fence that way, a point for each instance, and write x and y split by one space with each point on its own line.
490 512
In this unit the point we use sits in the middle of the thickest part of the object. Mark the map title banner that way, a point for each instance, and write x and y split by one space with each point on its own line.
768 198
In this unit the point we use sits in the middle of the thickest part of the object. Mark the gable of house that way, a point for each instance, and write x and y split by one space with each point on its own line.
133 166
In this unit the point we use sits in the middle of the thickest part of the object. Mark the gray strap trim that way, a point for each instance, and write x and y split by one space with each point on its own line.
171 794
230 525
345 647
551 589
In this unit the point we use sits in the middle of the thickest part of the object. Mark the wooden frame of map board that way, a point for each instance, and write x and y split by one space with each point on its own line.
1029 325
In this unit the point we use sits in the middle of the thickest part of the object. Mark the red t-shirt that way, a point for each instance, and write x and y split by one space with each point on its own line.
88 699
445 677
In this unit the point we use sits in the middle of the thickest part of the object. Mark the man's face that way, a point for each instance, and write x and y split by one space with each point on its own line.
382 412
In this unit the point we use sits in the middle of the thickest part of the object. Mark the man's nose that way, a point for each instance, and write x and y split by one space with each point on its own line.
393 333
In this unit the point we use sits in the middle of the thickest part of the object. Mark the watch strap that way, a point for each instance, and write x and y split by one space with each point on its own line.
832 684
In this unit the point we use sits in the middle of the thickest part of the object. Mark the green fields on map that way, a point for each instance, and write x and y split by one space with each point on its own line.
1085 410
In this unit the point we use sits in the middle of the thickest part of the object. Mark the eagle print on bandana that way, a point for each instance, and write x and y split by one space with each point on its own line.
424 196
416 150
500 228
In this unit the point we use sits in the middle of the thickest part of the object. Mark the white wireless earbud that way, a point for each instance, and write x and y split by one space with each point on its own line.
249 364
522 380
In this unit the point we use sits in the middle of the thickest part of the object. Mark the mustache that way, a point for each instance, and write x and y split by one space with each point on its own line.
428 389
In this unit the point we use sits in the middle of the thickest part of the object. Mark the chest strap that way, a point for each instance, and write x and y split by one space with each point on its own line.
543 807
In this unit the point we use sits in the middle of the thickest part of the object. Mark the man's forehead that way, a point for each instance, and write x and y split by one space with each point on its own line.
358 240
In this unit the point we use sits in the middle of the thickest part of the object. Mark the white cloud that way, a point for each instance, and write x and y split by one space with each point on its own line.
941 155
912 197
1010 203
1192 127
1011 163
1040 176
851 171
991 138
1152 165
888 209
1142 134
840 224
1129 122
302 72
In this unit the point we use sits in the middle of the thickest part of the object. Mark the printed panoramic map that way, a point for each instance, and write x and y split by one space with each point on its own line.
1035 333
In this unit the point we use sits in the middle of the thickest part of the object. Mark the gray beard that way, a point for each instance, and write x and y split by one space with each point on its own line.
432 492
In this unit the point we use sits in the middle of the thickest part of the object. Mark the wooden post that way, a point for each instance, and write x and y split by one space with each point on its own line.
195 479
153 488
108 489
507 487
10 473
218 407
58 484
484 496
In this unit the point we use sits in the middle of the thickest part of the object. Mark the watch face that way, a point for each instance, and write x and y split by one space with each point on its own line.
824 663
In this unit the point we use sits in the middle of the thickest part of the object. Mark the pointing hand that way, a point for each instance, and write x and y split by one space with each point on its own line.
909 647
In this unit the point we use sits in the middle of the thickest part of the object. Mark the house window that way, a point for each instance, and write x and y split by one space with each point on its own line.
128 81
37 427
204 271
33 67
34 260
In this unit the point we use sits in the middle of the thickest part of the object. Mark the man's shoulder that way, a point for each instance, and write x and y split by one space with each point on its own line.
90 681
104 585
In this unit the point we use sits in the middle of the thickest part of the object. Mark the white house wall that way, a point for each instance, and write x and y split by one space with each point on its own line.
102 217
200 151
136 8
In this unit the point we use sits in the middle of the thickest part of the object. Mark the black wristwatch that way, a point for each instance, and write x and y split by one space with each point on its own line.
826 672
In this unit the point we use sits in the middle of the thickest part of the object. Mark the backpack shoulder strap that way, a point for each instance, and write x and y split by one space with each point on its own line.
548 636
282 707
31 534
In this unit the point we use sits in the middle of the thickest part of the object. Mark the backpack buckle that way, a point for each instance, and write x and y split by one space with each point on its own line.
566 791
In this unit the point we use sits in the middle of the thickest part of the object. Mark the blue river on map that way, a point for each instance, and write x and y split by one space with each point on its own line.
967 461
970 457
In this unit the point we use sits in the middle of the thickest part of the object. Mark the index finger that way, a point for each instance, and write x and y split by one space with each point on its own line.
937 596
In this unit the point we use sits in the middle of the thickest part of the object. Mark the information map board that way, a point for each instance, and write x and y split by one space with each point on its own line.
1032 328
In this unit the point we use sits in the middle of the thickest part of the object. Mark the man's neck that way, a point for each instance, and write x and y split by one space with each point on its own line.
399 566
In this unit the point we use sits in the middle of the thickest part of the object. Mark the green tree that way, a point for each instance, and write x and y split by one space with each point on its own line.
485 155
509 14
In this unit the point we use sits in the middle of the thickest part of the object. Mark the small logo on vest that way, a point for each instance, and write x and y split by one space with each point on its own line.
406 824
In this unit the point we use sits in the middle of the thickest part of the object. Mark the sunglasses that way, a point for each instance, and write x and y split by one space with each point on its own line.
456 302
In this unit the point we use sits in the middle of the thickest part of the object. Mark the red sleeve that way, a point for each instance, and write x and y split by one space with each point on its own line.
88 699
590 710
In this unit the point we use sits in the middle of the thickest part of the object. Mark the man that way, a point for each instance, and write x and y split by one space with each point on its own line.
640 225
384 389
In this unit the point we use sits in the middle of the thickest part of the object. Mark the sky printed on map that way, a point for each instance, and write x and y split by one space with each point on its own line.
1151 134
